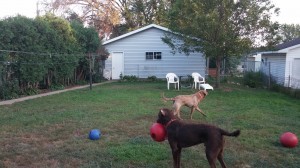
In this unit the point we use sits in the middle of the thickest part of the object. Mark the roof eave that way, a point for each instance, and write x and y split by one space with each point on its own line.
289 48
136 31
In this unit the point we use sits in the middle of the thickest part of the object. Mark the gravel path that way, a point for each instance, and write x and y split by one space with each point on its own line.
9 102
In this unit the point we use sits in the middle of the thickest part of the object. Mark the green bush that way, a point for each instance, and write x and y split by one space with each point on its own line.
152 78
130 78
81 82
253 79
9 90
30 91
57 87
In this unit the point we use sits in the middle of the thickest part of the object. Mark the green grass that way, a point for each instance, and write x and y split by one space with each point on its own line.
52 131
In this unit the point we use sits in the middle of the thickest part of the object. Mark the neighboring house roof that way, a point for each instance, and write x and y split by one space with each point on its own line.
288 44
136 31
273 54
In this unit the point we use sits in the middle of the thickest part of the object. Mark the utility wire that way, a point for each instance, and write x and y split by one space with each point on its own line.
50 54
7 62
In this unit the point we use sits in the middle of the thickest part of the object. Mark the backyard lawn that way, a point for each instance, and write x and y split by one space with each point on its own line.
53 131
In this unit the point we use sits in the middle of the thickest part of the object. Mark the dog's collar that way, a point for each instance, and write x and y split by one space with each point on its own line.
170 122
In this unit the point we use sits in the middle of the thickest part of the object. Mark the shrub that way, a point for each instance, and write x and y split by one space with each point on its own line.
30 91
152 78
253 79
129 78
57 87
9 90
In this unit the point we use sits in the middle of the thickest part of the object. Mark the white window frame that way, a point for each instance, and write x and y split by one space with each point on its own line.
153 55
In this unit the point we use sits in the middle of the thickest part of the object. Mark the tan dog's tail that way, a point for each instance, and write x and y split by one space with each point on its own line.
165 98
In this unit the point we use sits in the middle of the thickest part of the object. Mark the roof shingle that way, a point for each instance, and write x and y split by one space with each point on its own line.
288 44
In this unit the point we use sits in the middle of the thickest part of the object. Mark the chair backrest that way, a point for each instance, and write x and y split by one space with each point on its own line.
172 77
107 74
197 77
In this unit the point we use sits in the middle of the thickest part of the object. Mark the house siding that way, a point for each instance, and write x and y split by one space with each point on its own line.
292 68
136 45
275 66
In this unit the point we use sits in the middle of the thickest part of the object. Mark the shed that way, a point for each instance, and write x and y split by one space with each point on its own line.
284 64
143 54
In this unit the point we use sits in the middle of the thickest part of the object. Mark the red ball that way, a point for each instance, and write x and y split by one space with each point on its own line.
289 140
158 132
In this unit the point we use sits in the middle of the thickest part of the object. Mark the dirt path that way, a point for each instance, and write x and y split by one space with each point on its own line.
8 102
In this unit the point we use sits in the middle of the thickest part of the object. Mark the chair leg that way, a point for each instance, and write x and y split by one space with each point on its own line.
168 86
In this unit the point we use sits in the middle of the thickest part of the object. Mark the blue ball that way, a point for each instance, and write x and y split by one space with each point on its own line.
95 134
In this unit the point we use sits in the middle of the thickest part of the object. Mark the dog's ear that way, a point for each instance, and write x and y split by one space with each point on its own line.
162 112
204 92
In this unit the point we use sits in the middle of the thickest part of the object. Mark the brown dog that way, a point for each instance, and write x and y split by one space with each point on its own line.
191 101
181 135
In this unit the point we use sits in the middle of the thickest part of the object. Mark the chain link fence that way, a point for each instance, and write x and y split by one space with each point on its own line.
28 73
284 74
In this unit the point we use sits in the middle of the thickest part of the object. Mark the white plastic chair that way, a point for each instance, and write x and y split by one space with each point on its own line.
107 74
172 78
198 79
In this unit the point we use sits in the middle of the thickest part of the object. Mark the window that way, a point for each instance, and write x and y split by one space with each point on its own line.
153 55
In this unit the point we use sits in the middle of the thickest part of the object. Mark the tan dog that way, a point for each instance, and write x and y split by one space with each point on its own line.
191 101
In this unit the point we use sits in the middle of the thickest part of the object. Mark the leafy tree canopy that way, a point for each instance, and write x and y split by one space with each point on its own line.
288 32
218 28
46 49
110 16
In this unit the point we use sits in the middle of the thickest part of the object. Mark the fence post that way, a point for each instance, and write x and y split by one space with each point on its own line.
138 67
290 68
289 80
269 82
90 71
1 84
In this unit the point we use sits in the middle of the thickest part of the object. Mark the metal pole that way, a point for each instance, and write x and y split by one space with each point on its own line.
269 75
1 84
90 71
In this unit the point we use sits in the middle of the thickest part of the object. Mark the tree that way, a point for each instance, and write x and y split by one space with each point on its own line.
89 42
101 14
139 13
289 32
280 33
272 37
144 12
111 16
21 34
218 28
65 49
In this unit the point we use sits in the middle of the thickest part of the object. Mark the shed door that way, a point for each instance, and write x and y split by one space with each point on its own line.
117 65
296 68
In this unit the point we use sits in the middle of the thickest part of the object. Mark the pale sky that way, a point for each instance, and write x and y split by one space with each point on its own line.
289 14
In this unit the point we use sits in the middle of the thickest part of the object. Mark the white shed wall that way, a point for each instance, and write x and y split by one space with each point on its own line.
135 46
275 66
292 66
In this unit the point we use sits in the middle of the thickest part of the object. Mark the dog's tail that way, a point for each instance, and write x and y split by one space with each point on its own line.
234 133
165 98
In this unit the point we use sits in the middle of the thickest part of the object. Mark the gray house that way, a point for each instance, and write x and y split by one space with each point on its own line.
283 64
142 53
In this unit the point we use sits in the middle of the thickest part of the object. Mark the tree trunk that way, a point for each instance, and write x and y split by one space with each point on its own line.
49 79
218 66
